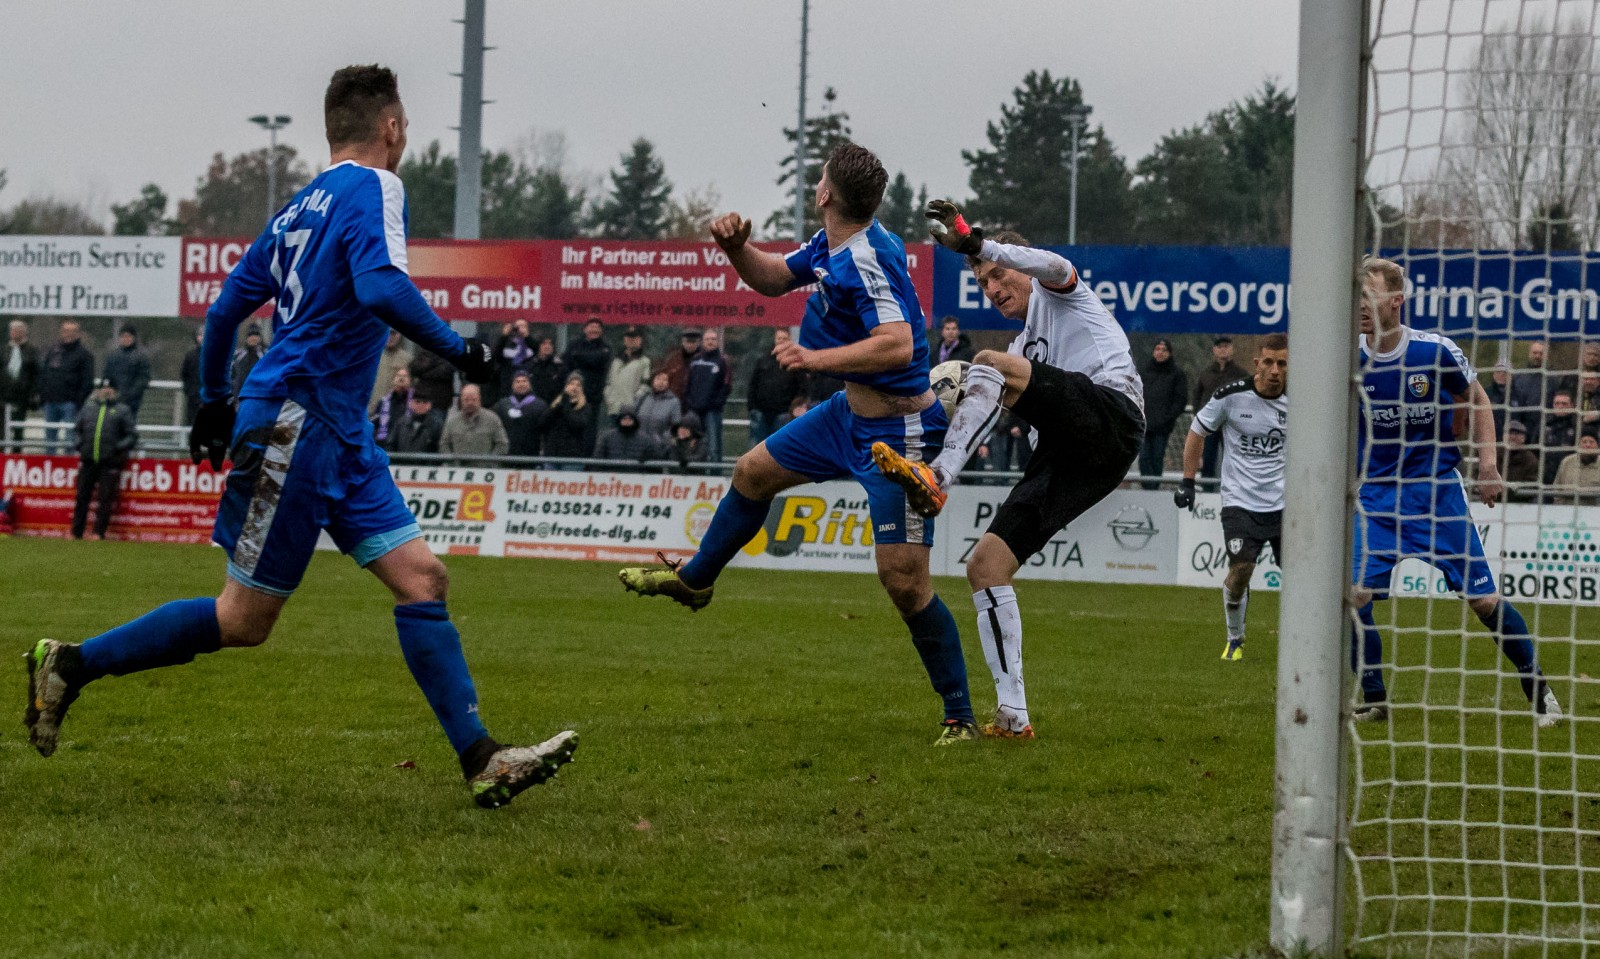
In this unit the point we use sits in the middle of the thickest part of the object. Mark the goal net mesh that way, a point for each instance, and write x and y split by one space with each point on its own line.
1473 830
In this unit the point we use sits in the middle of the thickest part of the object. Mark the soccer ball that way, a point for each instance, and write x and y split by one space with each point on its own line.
950 384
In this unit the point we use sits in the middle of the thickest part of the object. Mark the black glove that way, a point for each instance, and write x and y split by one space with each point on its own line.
1184 495
476 361
950 228
212 433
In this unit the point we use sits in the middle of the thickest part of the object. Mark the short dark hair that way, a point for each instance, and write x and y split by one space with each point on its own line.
858 180
1008 237
948 320
356 99
594 319
1274 341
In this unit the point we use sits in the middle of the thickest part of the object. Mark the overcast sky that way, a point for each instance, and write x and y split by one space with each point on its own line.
101 98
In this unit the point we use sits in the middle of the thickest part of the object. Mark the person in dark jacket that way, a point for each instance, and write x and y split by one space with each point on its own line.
392 409
106 436
569 423
546 372
521 412
1166 390
1221 371
66 378
127 366
710 382
19 377
772 391
625 440
676 365
516 350
688 444
1560 433
591 358
246 357
433 376
189 375
420 430
953 344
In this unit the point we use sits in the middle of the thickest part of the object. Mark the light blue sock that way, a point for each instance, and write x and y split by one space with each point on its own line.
938 641
1366 656
432 648
168 635
1511 633
736 522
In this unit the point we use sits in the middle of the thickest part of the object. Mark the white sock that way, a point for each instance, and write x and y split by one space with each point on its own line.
1233 611
1000 629
975 417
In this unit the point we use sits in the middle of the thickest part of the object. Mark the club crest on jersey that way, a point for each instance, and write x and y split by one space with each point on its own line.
1417 384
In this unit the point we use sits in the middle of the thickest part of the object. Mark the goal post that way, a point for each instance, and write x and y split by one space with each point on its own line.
1309 800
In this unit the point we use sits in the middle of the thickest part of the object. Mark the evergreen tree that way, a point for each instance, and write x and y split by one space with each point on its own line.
1224 181
429 176
900 213
1023 181
824 131
144 215
638 205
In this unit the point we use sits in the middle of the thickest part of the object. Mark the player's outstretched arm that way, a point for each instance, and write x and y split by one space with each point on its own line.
764 272
950 229
391 296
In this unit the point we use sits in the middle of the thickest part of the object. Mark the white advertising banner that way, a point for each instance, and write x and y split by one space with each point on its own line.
1541 554
89 275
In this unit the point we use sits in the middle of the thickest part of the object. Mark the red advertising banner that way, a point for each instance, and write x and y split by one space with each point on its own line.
670 283
162 501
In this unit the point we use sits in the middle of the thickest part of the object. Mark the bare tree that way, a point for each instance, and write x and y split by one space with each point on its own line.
1524 159
689 214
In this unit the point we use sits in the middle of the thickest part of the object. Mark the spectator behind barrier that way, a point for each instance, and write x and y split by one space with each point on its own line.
1560 434
189 375
591 358
1166 390
688 444
106 435
1578 477
127 367
246 357
391 409
520 413
434 377
676 365
420 430
516 349
773 390
953 344
629 378
547 372
395 357
66 378
659 411
569 423
1518 463
472 430
1221 371
626 441
710 382
19 375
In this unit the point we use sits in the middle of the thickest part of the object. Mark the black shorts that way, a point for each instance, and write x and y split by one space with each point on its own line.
1243 533
1088 437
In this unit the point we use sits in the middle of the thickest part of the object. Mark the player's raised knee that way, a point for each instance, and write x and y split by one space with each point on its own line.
988 358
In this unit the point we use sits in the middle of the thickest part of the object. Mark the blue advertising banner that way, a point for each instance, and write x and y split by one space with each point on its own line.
1245 290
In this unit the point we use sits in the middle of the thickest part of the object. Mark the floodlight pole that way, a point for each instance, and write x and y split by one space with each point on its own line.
800 131
469 152
1308 823
271 124
1078 115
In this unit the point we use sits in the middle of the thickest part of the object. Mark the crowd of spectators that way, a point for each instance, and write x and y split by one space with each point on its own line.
605 397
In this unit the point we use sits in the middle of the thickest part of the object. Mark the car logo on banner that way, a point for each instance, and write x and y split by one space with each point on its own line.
1417 383
1133 528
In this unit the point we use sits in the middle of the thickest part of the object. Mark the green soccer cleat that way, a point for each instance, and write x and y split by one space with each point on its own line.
953 731
1234 651
51 690
663 581
511 769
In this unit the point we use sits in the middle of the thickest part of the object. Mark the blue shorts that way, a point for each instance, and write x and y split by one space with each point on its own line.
1425 519
292 478
831 442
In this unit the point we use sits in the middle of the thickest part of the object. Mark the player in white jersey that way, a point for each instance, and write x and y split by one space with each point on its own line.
1253 416
1070 377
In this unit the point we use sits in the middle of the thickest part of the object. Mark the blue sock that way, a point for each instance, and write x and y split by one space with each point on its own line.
938 642
736 522
432 648
1366 656
168 635
1511 634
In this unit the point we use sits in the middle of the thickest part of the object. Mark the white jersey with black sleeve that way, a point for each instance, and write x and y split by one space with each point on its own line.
1067 326
1253 430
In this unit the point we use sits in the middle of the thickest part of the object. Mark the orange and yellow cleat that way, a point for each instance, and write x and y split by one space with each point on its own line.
917 479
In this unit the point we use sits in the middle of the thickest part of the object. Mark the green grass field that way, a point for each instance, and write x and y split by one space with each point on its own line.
755 780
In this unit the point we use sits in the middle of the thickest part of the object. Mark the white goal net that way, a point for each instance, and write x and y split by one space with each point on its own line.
1474 823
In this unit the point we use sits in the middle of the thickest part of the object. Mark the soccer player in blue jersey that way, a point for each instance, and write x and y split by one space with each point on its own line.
303 456
863 325
1412 500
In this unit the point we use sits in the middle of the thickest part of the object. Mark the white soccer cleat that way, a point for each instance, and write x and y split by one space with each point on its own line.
1550 715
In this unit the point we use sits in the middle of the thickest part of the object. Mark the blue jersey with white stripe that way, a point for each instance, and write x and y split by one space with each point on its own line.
326 345
860 286
1407 408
